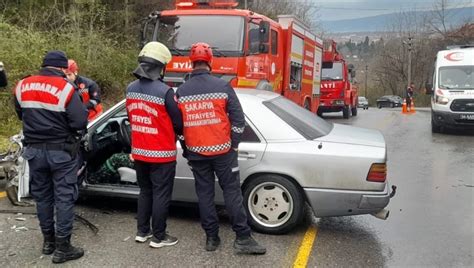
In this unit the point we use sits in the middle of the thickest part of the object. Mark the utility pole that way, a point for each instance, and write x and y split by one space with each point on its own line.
366 72
245 4
410 43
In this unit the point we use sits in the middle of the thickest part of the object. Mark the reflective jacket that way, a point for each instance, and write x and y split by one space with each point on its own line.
50 107
153 134
90 93
213 120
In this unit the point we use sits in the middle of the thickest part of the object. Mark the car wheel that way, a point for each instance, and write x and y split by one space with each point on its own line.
435 128
274 204
354 111
345 112
379 105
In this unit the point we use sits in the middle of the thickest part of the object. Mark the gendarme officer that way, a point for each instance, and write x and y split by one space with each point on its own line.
52 113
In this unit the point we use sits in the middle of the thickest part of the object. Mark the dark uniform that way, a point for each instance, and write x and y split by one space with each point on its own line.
3 76
90 94
409 96
213 125
52 113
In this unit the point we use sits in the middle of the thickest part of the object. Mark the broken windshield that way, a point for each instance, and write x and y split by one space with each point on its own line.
224 34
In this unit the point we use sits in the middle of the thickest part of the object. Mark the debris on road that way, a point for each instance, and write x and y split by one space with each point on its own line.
126 239
20 219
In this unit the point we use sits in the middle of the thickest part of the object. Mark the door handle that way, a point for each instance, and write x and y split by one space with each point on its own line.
247 155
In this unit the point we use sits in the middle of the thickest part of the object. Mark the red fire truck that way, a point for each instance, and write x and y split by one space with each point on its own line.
338 92
250 50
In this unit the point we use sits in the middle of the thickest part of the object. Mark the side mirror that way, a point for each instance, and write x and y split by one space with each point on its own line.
263 48
429 88
264 31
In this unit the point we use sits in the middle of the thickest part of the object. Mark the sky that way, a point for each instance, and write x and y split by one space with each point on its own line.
351 9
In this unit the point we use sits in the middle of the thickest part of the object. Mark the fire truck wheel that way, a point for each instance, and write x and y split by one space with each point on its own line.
320 114
354 111
345 112
307 106
274 204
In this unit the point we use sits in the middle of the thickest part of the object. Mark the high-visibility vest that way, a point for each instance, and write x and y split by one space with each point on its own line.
85 95
50 93
206 126
153 136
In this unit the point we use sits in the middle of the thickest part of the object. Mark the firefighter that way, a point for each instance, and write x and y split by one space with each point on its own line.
212 128
3 76
89 90
409 96
154 118
52 113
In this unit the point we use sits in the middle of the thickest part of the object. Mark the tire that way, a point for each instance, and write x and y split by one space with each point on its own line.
354 111
307 106
345 112
435 128
282 194
379 105
319 113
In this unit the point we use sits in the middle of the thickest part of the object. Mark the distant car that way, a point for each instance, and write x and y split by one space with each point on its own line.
389 101
288 156
363 103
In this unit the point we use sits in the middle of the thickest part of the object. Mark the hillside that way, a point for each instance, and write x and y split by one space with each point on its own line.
380 23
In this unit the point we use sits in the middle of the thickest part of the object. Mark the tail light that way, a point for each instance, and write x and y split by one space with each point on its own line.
377 173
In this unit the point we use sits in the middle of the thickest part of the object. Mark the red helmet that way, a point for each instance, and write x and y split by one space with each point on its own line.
72 66
201 52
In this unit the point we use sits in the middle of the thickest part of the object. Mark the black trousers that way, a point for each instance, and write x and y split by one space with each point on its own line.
53 185
226 168
156 187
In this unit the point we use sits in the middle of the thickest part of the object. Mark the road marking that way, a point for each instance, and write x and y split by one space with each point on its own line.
3 194
305 248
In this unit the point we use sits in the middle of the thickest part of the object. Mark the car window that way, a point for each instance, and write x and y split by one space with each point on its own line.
303 121
249 134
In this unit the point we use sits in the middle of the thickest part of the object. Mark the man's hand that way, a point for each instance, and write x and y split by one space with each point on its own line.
131 158
235 149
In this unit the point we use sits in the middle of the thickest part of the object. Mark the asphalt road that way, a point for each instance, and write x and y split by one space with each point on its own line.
430 224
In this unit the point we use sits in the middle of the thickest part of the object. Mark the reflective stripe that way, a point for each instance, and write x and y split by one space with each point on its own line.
42 105
154 154
209 96
64 95
238 129
84 90
213 148
145 97
94 102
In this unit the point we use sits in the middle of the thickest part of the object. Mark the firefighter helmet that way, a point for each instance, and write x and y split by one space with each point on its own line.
201 52
72 66
157 51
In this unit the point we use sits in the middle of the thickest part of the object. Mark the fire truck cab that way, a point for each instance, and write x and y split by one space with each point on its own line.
250 50
338 92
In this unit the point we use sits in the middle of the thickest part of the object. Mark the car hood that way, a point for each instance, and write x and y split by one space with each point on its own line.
354 135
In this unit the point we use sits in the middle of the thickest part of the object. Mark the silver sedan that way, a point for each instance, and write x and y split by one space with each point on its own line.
288 157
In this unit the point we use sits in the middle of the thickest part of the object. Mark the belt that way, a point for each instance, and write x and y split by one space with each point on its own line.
47 146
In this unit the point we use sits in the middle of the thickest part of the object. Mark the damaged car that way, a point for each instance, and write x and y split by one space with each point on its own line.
288 158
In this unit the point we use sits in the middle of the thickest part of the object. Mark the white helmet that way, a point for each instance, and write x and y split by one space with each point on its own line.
157 51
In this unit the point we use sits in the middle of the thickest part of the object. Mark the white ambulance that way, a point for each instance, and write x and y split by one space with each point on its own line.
452 102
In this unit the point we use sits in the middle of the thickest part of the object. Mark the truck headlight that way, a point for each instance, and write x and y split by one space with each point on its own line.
441 100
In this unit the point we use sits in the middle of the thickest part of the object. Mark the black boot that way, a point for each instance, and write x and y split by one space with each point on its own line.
48 244
65 251
212 242
248 245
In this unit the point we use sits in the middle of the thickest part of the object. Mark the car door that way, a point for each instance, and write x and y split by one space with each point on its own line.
251 150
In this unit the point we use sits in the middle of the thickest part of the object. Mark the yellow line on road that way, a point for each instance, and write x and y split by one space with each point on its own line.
3 194
305 248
